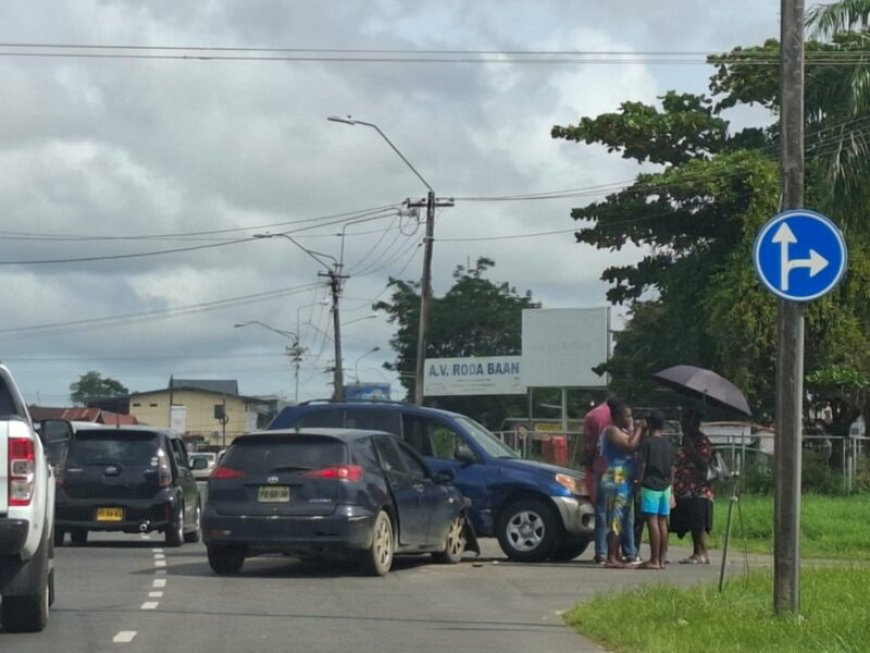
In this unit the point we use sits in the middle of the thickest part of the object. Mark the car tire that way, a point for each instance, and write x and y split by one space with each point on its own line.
454 543
528 530
58 536
78 536
174 535
226 559
379 558
28 613
569 548
194 536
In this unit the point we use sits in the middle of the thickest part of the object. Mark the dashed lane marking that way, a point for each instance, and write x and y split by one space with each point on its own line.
150 605
159 582
155 595
124 637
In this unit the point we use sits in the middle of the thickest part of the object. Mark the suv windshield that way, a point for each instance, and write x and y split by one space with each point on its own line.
486 440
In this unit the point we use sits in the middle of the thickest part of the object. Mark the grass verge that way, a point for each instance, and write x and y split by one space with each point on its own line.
831 527
663 619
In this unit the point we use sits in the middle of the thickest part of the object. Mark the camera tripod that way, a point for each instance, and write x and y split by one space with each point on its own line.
733 500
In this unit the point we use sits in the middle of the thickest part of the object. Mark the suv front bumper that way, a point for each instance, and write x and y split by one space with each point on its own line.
578 516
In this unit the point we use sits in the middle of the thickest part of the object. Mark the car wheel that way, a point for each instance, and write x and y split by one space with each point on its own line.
454 543
528 530
28 613
570 548
174 535
226 559
379 558
194 536
58 536
79 536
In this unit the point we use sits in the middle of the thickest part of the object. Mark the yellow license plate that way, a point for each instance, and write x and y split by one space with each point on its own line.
110 514
274 494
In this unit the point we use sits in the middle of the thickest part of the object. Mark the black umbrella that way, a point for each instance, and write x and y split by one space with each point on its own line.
704 384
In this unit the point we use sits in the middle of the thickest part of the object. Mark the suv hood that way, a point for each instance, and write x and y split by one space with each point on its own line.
544 468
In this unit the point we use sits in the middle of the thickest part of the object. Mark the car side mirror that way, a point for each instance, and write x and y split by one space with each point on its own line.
199 463
464 454
443 477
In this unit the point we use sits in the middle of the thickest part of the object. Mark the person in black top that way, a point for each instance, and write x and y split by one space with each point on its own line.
655 475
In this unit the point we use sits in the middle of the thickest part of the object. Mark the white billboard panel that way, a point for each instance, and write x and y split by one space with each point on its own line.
493 375
562 345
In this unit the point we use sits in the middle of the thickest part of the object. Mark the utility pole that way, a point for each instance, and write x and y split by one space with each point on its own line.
790 326
425 290
335 280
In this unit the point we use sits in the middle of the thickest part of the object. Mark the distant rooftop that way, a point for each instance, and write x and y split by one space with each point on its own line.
230 387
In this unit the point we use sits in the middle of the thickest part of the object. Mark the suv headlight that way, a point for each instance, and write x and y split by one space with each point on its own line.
571 483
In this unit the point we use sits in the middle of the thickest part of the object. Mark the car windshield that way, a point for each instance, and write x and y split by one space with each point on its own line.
102 447
486 440
263 454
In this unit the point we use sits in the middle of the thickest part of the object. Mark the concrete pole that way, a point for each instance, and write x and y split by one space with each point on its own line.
425 299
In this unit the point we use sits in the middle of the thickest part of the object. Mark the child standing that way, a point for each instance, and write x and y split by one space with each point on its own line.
655 474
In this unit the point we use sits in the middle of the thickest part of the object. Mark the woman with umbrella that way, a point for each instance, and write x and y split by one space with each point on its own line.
693 512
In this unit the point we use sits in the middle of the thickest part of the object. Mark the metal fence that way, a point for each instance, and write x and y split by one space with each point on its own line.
849 457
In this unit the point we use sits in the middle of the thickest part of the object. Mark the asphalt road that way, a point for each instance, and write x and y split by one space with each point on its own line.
130 593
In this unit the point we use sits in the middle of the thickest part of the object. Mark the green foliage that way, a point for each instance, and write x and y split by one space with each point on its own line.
664 619
476 317
91 385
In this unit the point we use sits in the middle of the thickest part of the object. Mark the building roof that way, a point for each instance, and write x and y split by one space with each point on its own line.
78 414
227 387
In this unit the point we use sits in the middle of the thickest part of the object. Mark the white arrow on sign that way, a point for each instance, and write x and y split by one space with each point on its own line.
784 237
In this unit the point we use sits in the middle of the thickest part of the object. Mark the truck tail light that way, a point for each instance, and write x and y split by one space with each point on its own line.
22 471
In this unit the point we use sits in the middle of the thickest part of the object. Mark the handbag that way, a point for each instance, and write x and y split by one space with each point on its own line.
717 470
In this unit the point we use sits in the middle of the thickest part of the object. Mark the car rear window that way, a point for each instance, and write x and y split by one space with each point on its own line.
88 448
264 454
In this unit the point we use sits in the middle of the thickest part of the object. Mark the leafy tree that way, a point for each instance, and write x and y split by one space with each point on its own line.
476 317
694 297
92 385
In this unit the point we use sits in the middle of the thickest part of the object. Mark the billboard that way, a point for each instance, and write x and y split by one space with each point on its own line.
562 345
370 391
492 375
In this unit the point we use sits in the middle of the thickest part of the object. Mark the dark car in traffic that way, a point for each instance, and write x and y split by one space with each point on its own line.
536 510
133 479
309 493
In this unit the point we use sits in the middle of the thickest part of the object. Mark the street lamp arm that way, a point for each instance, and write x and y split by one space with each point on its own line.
315 255
350 121
286 334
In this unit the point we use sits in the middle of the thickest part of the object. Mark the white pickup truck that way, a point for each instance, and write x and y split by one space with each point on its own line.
26 516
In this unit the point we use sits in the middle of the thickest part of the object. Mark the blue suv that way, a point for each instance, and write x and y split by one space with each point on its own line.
537 511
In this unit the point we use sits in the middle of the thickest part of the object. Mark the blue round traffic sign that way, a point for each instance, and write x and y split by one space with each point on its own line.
800 255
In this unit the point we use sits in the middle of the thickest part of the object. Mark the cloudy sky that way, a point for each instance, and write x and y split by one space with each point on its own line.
135 172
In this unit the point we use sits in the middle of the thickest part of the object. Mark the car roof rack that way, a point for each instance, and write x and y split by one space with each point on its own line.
312 402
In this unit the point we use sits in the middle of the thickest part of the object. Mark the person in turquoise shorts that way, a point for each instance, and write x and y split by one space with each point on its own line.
656 476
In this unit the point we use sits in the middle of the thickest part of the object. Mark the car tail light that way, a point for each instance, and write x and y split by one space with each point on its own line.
221 472
22 471
352 473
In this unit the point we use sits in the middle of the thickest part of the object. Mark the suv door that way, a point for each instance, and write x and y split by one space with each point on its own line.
408 490
438 442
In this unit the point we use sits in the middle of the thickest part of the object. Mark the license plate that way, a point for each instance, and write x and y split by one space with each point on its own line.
110 514
274 494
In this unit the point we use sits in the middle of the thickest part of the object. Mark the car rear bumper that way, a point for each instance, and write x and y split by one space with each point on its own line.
140 516
578 516
13 534
348 528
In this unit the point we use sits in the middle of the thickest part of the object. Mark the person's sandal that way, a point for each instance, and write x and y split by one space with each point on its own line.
691 560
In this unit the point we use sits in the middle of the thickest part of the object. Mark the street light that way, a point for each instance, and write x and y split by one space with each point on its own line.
335 279
426 282
356 362
294 351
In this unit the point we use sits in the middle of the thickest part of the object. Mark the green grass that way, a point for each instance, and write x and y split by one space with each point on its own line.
831 527
834 616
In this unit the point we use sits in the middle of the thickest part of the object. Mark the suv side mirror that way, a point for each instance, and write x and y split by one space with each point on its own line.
464 453
443 476
199 463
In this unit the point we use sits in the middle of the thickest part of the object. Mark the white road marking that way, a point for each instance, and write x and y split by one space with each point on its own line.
160 563
156 550
159 556
160 571
159 582
150 605
124 637
155 595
